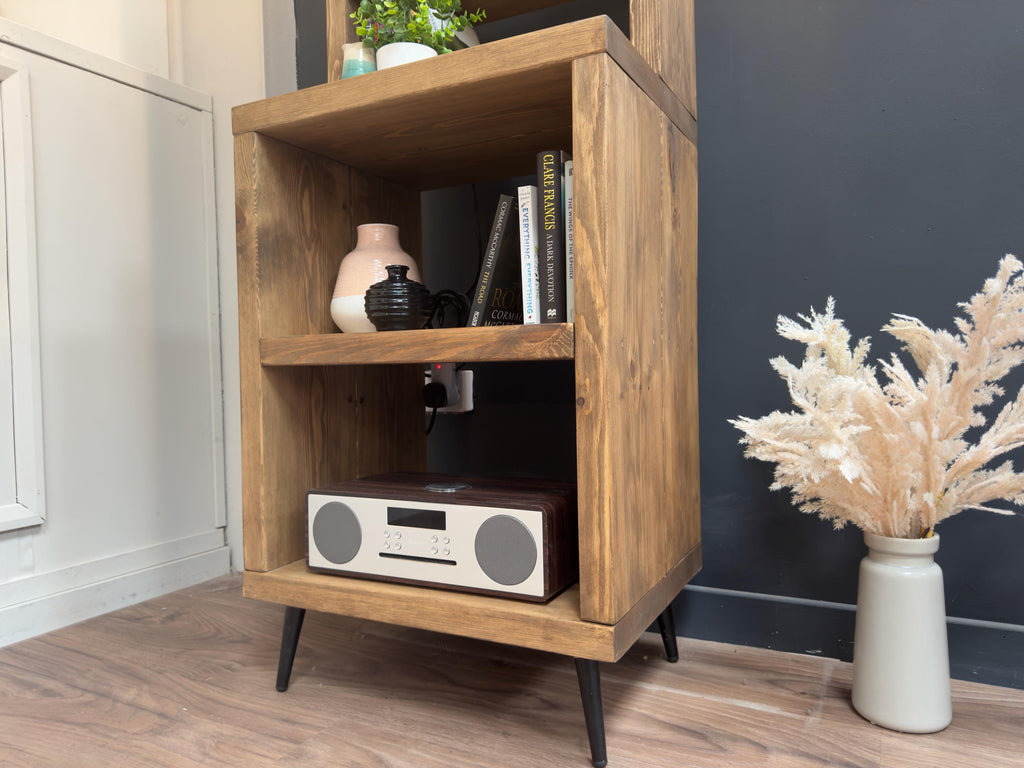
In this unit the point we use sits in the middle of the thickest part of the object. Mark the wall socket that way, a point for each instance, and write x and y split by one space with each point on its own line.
459 385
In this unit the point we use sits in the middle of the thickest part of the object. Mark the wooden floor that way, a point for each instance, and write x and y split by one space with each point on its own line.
188 680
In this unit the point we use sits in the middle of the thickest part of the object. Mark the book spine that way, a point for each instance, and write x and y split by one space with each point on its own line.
551 246
485 282
528 254
570 263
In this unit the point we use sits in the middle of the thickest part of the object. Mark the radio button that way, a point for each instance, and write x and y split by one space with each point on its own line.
446 540
433 539
387 545
397 545
398 534
446 551
387 534
433 550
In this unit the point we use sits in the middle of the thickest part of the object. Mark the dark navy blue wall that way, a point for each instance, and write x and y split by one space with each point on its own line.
870 151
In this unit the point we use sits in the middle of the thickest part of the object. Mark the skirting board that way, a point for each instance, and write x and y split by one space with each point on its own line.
45 614
982 652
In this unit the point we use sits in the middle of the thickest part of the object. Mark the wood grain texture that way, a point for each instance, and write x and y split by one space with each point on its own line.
187 680
662 32
554 626
303 427
340 30
635 330
647 609
469 345
475 114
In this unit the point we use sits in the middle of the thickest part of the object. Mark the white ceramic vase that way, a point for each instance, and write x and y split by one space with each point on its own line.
900 652
377 246
393 54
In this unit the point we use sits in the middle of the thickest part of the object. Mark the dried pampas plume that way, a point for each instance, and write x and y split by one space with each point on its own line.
890 457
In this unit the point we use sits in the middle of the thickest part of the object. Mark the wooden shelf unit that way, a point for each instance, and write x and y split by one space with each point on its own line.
463 117
319 406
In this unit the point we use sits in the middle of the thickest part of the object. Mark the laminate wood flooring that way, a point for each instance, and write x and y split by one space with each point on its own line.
188 680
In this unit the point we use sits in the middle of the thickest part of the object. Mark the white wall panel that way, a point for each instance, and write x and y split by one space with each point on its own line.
130 31
129 338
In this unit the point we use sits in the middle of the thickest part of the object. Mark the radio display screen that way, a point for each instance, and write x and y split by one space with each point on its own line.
416 518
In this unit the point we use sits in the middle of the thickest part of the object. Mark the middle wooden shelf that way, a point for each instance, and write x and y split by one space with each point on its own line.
498 343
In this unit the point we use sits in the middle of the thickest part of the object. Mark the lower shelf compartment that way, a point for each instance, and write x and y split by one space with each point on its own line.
554 626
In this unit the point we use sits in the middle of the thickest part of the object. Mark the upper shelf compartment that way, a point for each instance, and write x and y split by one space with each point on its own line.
474 114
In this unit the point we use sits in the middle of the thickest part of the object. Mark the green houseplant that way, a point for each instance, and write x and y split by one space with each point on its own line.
429 23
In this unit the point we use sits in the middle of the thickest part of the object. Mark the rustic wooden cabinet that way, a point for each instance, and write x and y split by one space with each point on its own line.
319 406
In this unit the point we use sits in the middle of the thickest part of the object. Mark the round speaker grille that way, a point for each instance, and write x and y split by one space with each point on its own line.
506 550
336 532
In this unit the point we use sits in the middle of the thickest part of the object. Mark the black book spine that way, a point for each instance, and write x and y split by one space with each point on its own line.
551 240
485 282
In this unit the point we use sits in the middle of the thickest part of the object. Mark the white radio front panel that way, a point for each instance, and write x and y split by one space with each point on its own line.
442 555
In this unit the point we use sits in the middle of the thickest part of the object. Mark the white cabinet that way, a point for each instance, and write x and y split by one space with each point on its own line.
128 381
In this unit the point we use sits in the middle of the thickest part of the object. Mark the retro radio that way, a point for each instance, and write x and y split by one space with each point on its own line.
515 538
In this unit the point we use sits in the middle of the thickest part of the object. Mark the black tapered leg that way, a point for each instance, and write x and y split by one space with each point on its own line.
589 675
289 642
667 625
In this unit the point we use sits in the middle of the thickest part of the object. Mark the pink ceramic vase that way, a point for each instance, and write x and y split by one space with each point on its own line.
376 246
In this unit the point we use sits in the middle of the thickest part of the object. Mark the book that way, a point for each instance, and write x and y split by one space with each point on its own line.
570 263
497 299
528 254
551 235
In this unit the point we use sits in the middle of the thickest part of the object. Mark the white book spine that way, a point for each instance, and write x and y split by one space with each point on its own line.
570 263
529 254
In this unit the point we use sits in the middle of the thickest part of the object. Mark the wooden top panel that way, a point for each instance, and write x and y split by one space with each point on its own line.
470 115
466 345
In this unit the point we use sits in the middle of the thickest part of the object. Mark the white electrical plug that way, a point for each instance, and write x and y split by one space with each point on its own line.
458 386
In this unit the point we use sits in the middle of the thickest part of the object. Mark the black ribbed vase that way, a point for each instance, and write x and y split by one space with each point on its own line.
398 303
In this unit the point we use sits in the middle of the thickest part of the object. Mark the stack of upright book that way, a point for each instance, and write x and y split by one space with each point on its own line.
528 270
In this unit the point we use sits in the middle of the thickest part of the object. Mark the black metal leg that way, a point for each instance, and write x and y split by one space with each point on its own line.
289 642
667 625
589 675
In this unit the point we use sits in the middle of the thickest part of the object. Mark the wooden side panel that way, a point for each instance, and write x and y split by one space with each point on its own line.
636 341
340 30
662 31
304 427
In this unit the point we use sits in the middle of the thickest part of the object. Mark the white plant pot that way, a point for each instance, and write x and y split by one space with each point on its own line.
394 54
900 652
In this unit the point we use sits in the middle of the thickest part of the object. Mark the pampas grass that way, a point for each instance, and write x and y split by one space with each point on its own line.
891 456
